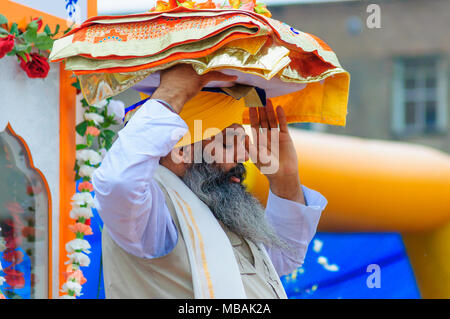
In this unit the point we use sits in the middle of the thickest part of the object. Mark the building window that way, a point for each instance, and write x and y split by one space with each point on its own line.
24 216
419 96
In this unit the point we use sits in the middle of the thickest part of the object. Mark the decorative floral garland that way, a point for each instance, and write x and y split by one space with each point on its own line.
31 47
14 278
249 5
97 120
15 234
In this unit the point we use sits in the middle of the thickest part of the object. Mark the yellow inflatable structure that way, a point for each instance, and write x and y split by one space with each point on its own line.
380 186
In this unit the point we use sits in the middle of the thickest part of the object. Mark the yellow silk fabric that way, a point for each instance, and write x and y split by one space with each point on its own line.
208 113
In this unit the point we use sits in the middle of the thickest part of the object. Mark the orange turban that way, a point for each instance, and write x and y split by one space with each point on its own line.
208 113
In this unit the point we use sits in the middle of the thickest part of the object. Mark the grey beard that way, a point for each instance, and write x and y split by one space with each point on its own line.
231 203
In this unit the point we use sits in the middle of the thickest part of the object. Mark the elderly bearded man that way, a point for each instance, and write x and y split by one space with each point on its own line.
231 246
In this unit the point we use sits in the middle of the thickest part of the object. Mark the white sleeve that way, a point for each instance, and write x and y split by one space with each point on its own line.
296 224
127 198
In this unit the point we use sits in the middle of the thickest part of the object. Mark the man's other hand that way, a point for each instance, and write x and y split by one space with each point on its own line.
181 83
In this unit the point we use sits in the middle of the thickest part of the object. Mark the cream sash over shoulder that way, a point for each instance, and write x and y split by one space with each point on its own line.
215 272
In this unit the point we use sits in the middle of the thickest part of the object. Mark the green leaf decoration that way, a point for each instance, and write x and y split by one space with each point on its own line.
89 140
43 41
81 146
33 26
69 28
25 48
30 36
84 103
78 87
14 29
56 30
2 30
13 52
108 144
23 56
81 128
47 30
3 19
109 134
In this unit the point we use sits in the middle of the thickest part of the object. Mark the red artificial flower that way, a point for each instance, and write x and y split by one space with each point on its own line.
75 274
38 67
28 231
30 190
13 256
13 242
85 186
34 189
92 130
80 228
6 45
39 21
16 223
14 278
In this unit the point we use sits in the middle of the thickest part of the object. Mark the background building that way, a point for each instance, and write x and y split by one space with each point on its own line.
399 72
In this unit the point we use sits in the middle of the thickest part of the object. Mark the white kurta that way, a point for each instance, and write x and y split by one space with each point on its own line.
133 208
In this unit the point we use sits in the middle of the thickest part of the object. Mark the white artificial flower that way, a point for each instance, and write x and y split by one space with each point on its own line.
1 267
68 297
92 156
78 258
100 104
78 245
77 212
97 118
2 280
81 156
82 198
72 286
86 171
117 108
95 158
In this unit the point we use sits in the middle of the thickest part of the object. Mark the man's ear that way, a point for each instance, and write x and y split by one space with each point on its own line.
186 154
176 155
181 155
